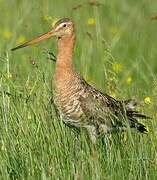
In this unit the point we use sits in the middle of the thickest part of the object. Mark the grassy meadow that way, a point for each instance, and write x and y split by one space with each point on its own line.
116 51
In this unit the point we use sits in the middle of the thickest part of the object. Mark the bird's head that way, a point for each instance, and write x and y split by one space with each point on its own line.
62 28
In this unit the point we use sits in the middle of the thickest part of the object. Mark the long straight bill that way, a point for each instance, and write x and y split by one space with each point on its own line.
35 41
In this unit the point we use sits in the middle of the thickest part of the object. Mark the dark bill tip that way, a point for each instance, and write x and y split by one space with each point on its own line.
18 47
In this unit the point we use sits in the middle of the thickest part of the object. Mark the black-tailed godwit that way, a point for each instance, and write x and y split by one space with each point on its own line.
81 105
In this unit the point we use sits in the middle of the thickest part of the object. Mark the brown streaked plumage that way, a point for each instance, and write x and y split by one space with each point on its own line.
81 105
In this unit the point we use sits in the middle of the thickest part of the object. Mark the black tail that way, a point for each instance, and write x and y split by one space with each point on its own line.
141 128
133 122
134 115
141 116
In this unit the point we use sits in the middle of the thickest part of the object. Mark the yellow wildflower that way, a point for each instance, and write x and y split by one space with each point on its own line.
148 100
129 80
7 34
47 18
91 22
20 40
117 68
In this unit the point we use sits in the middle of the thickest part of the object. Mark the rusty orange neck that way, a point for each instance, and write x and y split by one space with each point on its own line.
64 67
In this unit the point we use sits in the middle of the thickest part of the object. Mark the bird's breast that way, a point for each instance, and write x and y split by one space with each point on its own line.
67 97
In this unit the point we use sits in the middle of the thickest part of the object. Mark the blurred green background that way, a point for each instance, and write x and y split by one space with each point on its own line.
115 51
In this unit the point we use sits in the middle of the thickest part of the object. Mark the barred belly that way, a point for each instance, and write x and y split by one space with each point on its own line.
70 109
72 114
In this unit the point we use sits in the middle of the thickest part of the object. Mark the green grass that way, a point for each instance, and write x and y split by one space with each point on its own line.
34 143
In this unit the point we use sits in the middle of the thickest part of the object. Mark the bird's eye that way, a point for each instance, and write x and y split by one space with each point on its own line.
64 25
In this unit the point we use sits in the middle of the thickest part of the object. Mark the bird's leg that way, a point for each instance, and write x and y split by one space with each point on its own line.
77 150
77 143
92 133
106 144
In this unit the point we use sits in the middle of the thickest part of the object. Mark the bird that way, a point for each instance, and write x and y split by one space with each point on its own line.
81 105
